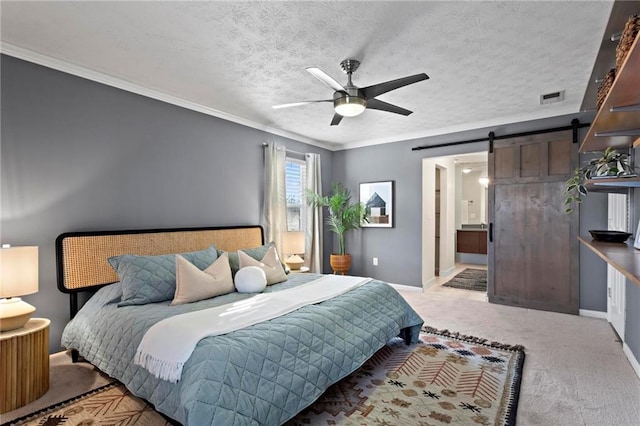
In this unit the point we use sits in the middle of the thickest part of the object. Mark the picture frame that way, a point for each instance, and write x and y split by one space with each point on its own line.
636 243
378 197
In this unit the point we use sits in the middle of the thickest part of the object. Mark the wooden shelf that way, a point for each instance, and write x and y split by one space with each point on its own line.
623 257
625 92
613 184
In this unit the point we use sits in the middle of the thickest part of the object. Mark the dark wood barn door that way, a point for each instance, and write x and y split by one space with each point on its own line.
533 247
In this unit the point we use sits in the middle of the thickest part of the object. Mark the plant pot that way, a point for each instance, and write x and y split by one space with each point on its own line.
340 263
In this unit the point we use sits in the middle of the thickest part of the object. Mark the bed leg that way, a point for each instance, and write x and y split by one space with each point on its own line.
405 333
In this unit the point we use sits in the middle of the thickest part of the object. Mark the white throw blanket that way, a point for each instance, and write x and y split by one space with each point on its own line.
168 344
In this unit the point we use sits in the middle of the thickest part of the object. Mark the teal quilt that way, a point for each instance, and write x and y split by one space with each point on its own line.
260 375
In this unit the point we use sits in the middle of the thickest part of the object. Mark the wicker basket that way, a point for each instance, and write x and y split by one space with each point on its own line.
604 88
629 34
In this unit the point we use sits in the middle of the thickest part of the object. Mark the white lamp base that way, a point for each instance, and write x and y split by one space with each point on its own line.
14 313
294 262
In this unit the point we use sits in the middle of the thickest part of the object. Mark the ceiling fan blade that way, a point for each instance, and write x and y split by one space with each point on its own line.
293 104
384 106
337 118
371 92
325 78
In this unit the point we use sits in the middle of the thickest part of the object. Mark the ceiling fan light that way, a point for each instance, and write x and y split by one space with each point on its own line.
349 106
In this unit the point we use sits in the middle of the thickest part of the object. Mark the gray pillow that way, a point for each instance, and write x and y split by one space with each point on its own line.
151 279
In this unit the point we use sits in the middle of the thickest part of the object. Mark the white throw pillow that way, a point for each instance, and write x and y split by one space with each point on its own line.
250 279
192 284
270 264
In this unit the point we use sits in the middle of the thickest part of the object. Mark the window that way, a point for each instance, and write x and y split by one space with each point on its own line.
295 181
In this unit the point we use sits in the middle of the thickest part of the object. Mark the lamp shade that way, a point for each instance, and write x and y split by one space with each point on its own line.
19 271
293 242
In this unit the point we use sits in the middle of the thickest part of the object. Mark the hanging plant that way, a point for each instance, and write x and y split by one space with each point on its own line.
610 164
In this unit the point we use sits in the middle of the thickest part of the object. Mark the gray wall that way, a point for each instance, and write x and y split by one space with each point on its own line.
78 155
399 248
632 320
593 271
632 295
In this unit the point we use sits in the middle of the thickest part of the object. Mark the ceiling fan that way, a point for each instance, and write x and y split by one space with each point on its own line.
350 100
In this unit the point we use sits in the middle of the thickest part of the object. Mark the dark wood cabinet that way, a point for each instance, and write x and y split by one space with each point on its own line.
471 241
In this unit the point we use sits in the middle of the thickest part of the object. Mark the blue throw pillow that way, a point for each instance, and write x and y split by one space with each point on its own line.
150 279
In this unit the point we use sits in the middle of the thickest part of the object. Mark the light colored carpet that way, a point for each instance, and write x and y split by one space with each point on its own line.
575 372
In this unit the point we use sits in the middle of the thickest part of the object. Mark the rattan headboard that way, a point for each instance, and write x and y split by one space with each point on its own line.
81 257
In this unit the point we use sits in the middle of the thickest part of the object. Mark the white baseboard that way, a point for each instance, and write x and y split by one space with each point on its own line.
403 287
429 282
593 314
632 359
447 272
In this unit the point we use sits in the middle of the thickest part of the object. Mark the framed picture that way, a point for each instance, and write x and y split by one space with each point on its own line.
378 198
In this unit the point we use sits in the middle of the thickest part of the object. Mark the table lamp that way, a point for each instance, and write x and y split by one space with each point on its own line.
293 245
18 277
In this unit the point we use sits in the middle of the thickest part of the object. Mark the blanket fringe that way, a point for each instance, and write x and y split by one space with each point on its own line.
162 369
473 339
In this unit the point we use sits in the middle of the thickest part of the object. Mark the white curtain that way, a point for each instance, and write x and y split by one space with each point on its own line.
313 237
275 203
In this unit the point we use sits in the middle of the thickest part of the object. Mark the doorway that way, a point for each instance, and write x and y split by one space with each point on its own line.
436 263
443 214
616 282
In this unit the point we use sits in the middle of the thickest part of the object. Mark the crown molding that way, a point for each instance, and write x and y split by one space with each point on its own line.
69 68
518 118
99 77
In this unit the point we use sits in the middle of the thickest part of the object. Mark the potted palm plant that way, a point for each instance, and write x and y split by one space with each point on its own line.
344 215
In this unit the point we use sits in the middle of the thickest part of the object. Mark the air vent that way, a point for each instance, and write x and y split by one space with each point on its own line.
551 98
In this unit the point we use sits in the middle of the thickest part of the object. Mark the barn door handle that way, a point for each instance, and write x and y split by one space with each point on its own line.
491 232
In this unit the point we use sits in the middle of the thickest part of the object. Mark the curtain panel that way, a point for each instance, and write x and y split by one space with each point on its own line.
275 203
313 233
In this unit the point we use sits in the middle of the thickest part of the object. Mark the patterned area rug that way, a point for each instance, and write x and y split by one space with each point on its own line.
447 378
108 405
469 279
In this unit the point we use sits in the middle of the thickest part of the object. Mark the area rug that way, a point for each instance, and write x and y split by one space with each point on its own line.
111 404
447 378
469 279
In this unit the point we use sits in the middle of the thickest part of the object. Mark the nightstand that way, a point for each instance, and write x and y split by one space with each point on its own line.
24 364
302 270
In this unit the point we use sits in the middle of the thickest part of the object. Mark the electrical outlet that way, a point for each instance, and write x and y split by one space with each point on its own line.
375 261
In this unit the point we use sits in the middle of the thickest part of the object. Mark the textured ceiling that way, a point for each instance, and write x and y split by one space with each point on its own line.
488 62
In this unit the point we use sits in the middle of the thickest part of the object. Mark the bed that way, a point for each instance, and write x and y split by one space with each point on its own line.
262 374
